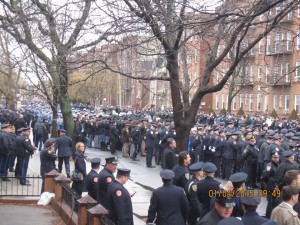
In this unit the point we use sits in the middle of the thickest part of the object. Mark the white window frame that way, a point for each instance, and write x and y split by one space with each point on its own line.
275 102
286 103
276 42
234 103
267 74
290 15
259 73
242 101
280 102
251 74
289 41
287 72
250 102
297 71
297 103
298 39
268 45
246 99
266 102
260 46
258 103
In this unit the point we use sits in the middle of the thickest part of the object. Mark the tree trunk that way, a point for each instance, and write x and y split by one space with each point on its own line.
54 122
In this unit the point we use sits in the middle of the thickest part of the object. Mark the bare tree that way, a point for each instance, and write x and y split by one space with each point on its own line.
165 21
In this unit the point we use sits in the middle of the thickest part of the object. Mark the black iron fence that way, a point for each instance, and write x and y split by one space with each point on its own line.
70 197
11 186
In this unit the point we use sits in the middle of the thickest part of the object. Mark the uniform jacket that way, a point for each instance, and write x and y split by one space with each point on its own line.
284 215
169 205
64 146
92 183
47 161
119 204
24 146
105 180
251 218
169 158
212 218
150 137
182 175
5 143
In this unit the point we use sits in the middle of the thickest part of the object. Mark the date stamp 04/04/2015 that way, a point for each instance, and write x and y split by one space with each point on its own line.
245 193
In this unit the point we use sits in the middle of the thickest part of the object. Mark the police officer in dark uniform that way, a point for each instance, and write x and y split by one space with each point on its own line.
114 137
230 151
5 145
285 166
119 200
182 173
150 141
206 186
105 179
92 178
168 204
64 151
47 158
249 204
24 151
250 155
222 209
270 182
195 207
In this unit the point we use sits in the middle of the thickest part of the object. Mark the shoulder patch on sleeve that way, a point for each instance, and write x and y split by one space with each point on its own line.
187 176
95 179
194 187
108 180
118 193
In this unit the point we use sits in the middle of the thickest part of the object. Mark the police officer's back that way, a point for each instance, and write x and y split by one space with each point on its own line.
92 178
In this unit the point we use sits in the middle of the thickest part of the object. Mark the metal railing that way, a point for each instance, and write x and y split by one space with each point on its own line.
70 197
14 188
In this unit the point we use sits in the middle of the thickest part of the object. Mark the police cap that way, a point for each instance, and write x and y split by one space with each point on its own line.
167 174
235 133
20 129
258 125
62 130
209 167
295 138
242 125
289 135
95 161
123 172
288 153
276 137
250 200
262 133
196 166
247 132
230 221
225 199
284 131
222 124
297 134
3 126
239 177
26 128
292 144
113 160
229 122
271 132
270 137
275 154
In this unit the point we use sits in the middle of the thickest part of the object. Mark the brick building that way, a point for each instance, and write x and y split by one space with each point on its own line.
269 77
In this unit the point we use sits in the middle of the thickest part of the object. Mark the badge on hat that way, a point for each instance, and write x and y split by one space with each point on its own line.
118 193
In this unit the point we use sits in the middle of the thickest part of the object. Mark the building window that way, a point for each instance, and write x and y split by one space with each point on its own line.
287 72
267 74
266 103
280 101
268 47
276 72
241 101
288 41
275 102
297 102
234 103
286 103
251 102
282 39
260 46
298 39
251 74
258 102
223 102
246 99
276 43
217 102
297 71
259 73
290 15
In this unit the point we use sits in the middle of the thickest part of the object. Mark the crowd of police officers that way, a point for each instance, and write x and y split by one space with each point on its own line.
219 146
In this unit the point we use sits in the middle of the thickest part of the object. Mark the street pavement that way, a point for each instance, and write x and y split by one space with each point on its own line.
143 180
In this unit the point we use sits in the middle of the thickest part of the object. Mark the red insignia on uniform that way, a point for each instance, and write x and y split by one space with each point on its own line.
119 193
95 179
108 180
